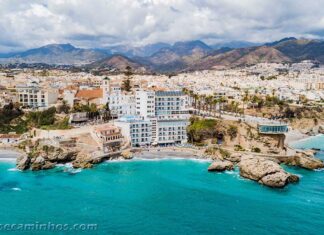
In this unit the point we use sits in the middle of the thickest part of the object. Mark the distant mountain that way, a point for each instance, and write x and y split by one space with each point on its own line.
235 44
143 51
55 54
178 56
117 62
302 49
181 56
270 44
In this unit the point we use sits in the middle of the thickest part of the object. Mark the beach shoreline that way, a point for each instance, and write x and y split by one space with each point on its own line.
294 136
170 153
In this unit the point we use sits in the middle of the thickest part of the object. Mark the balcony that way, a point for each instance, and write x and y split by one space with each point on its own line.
273 128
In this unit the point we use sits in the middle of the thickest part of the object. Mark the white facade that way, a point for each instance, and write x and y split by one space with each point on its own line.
136 130
33 96
149 117
171 132
69 96
120 103
172 114
145 103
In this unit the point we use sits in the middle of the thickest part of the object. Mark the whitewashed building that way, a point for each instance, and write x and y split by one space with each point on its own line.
137 130
172 117
31 95
120 103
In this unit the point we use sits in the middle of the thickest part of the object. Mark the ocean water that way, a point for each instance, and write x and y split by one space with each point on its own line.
160 197
316 142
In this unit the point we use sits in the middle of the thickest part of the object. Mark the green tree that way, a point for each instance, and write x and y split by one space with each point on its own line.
127 86
63 108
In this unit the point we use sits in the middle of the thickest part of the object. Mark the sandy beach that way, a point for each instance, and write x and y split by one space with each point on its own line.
8 154
294 136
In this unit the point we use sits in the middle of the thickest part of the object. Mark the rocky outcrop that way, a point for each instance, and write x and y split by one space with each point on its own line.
219 166
23 162
305 160
265 171
126 154
234 157
84 160
43 157
308 162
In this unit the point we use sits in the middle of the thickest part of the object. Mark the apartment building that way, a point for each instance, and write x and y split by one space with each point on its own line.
172 117
145 104
31 95
137 130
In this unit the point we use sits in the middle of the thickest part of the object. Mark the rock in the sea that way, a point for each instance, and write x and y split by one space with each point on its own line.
265 171
38 163
48 165
307 161
81 164
84 160
23 162
219 166
126 154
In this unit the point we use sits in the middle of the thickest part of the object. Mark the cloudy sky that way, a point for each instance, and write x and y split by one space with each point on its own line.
98 23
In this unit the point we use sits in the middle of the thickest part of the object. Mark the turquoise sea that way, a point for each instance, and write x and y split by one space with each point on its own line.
160 197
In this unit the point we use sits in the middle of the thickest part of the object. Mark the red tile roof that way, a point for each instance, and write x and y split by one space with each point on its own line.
89 94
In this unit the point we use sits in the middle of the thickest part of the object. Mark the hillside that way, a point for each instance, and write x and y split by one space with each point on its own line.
55 54
117 62
181 56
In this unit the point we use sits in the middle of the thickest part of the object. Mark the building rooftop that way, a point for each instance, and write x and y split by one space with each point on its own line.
89 94
106 128
130 118
169 93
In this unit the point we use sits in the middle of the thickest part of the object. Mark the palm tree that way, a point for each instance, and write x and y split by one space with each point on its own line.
215 102
245 99
208 101
221 102
196 98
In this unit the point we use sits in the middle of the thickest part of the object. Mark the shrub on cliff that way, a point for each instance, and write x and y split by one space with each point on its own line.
202 129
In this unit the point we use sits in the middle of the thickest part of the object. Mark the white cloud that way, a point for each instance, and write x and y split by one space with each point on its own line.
97 23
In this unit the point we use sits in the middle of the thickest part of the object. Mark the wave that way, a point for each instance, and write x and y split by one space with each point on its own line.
319 170
13 169
16 189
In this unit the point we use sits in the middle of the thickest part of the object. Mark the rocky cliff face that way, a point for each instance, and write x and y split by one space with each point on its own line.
304 160
44 157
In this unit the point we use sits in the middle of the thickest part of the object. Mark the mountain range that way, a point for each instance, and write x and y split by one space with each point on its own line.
181 56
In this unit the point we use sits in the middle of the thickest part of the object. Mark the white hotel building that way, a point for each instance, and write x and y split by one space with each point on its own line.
168 113
31 95
164 114
136 130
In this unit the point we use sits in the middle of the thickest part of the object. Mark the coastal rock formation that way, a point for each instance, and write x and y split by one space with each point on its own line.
308 161
304 159
126 154
23 162
265 171
84 160
219 166
43 157
234 157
